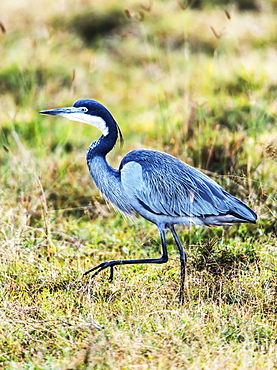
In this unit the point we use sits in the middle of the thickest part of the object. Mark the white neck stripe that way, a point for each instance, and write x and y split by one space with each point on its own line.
95 121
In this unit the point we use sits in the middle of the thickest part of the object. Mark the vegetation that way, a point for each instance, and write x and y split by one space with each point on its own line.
197 82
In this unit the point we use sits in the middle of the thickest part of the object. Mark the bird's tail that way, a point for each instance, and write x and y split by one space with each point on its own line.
227 220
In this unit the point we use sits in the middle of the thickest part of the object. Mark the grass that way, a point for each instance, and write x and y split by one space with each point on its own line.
193 83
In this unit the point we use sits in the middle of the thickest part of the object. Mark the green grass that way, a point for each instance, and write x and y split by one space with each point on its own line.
193 83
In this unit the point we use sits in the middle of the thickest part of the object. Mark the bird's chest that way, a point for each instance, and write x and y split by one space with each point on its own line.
107 180
103 175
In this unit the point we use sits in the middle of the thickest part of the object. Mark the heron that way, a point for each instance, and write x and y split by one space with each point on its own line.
159 187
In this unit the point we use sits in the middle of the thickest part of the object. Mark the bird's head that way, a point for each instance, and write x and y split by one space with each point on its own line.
90 112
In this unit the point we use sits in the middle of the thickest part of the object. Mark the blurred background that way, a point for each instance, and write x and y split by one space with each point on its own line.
197 80
194 79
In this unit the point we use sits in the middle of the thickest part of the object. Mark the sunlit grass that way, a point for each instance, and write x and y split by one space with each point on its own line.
193 83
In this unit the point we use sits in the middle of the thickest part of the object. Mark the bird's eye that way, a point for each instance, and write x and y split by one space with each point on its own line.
84 109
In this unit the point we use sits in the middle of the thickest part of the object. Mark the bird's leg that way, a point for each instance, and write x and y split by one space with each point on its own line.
111 264
183 260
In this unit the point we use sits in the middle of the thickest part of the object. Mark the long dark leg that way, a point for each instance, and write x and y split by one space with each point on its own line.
111 264
183 260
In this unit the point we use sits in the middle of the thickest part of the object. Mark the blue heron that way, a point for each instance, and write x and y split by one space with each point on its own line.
161 188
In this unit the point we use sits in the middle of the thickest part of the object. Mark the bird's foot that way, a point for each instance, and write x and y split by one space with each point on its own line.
100 267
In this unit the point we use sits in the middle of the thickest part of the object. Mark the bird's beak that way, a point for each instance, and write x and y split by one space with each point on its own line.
62 111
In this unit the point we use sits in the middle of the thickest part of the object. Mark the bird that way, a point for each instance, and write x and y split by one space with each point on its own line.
159 187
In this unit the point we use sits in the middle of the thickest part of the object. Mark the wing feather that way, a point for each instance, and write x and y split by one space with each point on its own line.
165 185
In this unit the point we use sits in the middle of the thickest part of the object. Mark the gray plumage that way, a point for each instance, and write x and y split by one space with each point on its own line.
159 187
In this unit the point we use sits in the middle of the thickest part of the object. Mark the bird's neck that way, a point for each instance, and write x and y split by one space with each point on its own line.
102 146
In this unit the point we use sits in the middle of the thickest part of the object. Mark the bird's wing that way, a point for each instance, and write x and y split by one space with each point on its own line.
164 185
